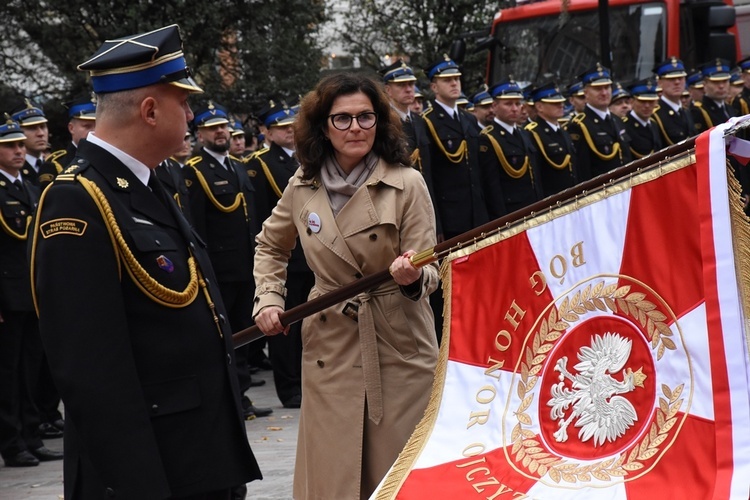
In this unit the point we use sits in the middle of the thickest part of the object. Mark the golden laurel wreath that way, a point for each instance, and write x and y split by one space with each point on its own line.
526 447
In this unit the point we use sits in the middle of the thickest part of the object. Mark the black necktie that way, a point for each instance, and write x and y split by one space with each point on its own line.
455 116
408 118
155 187
18 184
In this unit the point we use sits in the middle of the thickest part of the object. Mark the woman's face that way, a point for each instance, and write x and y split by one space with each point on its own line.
352 144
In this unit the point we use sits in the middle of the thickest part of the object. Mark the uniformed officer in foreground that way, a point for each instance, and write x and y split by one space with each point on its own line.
81 121
556 153
142 351
673 121
599 137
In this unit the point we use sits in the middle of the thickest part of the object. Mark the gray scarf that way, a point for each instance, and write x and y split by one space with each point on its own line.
340 186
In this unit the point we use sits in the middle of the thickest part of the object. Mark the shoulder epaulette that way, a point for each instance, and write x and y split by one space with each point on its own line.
56 154
426 112
531 126
578 118
235 158
73 170
625 119
194 161
697 104
486 130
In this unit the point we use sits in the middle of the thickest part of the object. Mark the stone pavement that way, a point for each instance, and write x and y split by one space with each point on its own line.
273 439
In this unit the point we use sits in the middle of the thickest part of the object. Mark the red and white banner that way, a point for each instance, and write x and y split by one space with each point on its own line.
599 351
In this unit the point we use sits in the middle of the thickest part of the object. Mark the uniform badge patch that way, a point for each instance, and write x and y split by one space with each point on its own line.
55 227
164 264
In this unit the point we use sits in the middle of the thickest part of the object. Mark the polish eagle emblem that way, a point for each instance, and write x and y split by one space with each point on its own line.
595 396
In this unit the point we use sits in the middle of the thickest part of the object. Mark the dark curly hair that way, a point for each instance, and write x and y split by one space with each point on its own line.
312 146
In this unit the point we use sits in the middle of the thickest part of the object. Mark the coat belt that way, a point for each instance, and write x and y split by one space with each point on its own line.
368 344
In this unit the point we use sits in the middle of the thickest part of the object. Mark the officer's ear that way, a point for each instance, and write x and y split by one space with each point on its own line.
148 109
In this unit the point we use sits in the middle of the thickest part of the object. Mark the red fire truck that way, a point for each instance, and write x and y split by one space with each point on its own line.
537 40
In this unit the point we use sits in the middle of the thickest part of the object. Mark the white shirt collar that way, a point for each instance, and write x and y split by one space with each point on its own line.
451 111
140 170
290 152
400 113
31 160
674 105
508 127
219 157
601 114
10 177
555 126
637 118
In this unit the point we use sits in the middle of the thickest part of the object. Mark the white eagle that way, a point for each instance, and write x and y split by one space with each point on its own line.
601 412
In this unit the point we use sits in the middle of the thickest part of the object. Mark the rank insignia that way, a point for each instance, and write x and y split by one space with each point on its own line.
164 264
122 183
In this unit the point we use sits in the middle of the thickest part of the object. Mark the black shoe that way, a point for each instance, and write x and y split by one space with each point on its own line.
255 382
44 454
50 431
293 402
22 459
59 423
253 411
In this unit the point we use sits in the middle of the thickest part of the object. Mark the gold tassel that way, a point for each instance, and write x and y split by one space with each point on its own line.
741 245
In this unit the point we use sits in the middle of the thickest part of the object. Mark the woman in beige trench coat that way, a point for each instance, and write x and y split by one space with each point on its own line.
366 375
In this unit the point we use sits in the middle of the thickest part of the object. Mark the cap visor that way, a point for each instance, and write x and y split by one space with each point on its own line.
187 83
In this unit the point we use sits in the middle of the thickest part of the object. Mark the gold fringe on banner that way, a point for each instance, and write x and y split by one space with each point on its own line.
741 246
413 448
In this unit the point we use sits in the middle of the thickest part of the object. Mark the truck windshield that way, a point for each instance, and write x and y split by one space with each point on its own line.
561 47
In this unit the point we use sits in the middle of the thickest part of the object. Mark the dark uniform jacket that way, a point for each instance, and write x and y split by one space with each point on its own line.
30 174
557 165
644 140
673 126
144 365
275 169
18 207
601 145
453 176
510 170
741 103
169 172
55 163
708 113
222 206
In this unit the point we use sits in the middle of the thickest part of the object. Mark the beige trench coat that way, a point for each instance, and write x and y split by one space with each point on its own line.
342 453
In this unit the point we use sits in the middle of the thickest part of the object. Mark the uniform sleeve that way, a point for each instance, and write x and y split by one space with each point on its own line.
84 327
273 248
417 231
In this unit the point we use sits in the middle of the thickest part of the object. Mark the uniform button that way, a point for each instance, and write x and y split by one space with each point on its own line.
321 363
309 231
229 359
322 317
208 283
222 319
158 243
110 492
192 245
373 237
154 410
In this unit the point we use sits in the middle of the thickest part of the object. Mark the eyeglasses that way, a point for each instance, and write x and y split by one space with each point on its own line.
342 121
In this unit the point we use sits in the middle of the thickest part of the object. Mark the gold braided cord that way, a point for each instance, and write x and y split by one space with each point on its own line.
512 172
590 142
416 160
240 198
637 155
153 289
559 166
709 123
13 233
456 157
269 176
664 134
